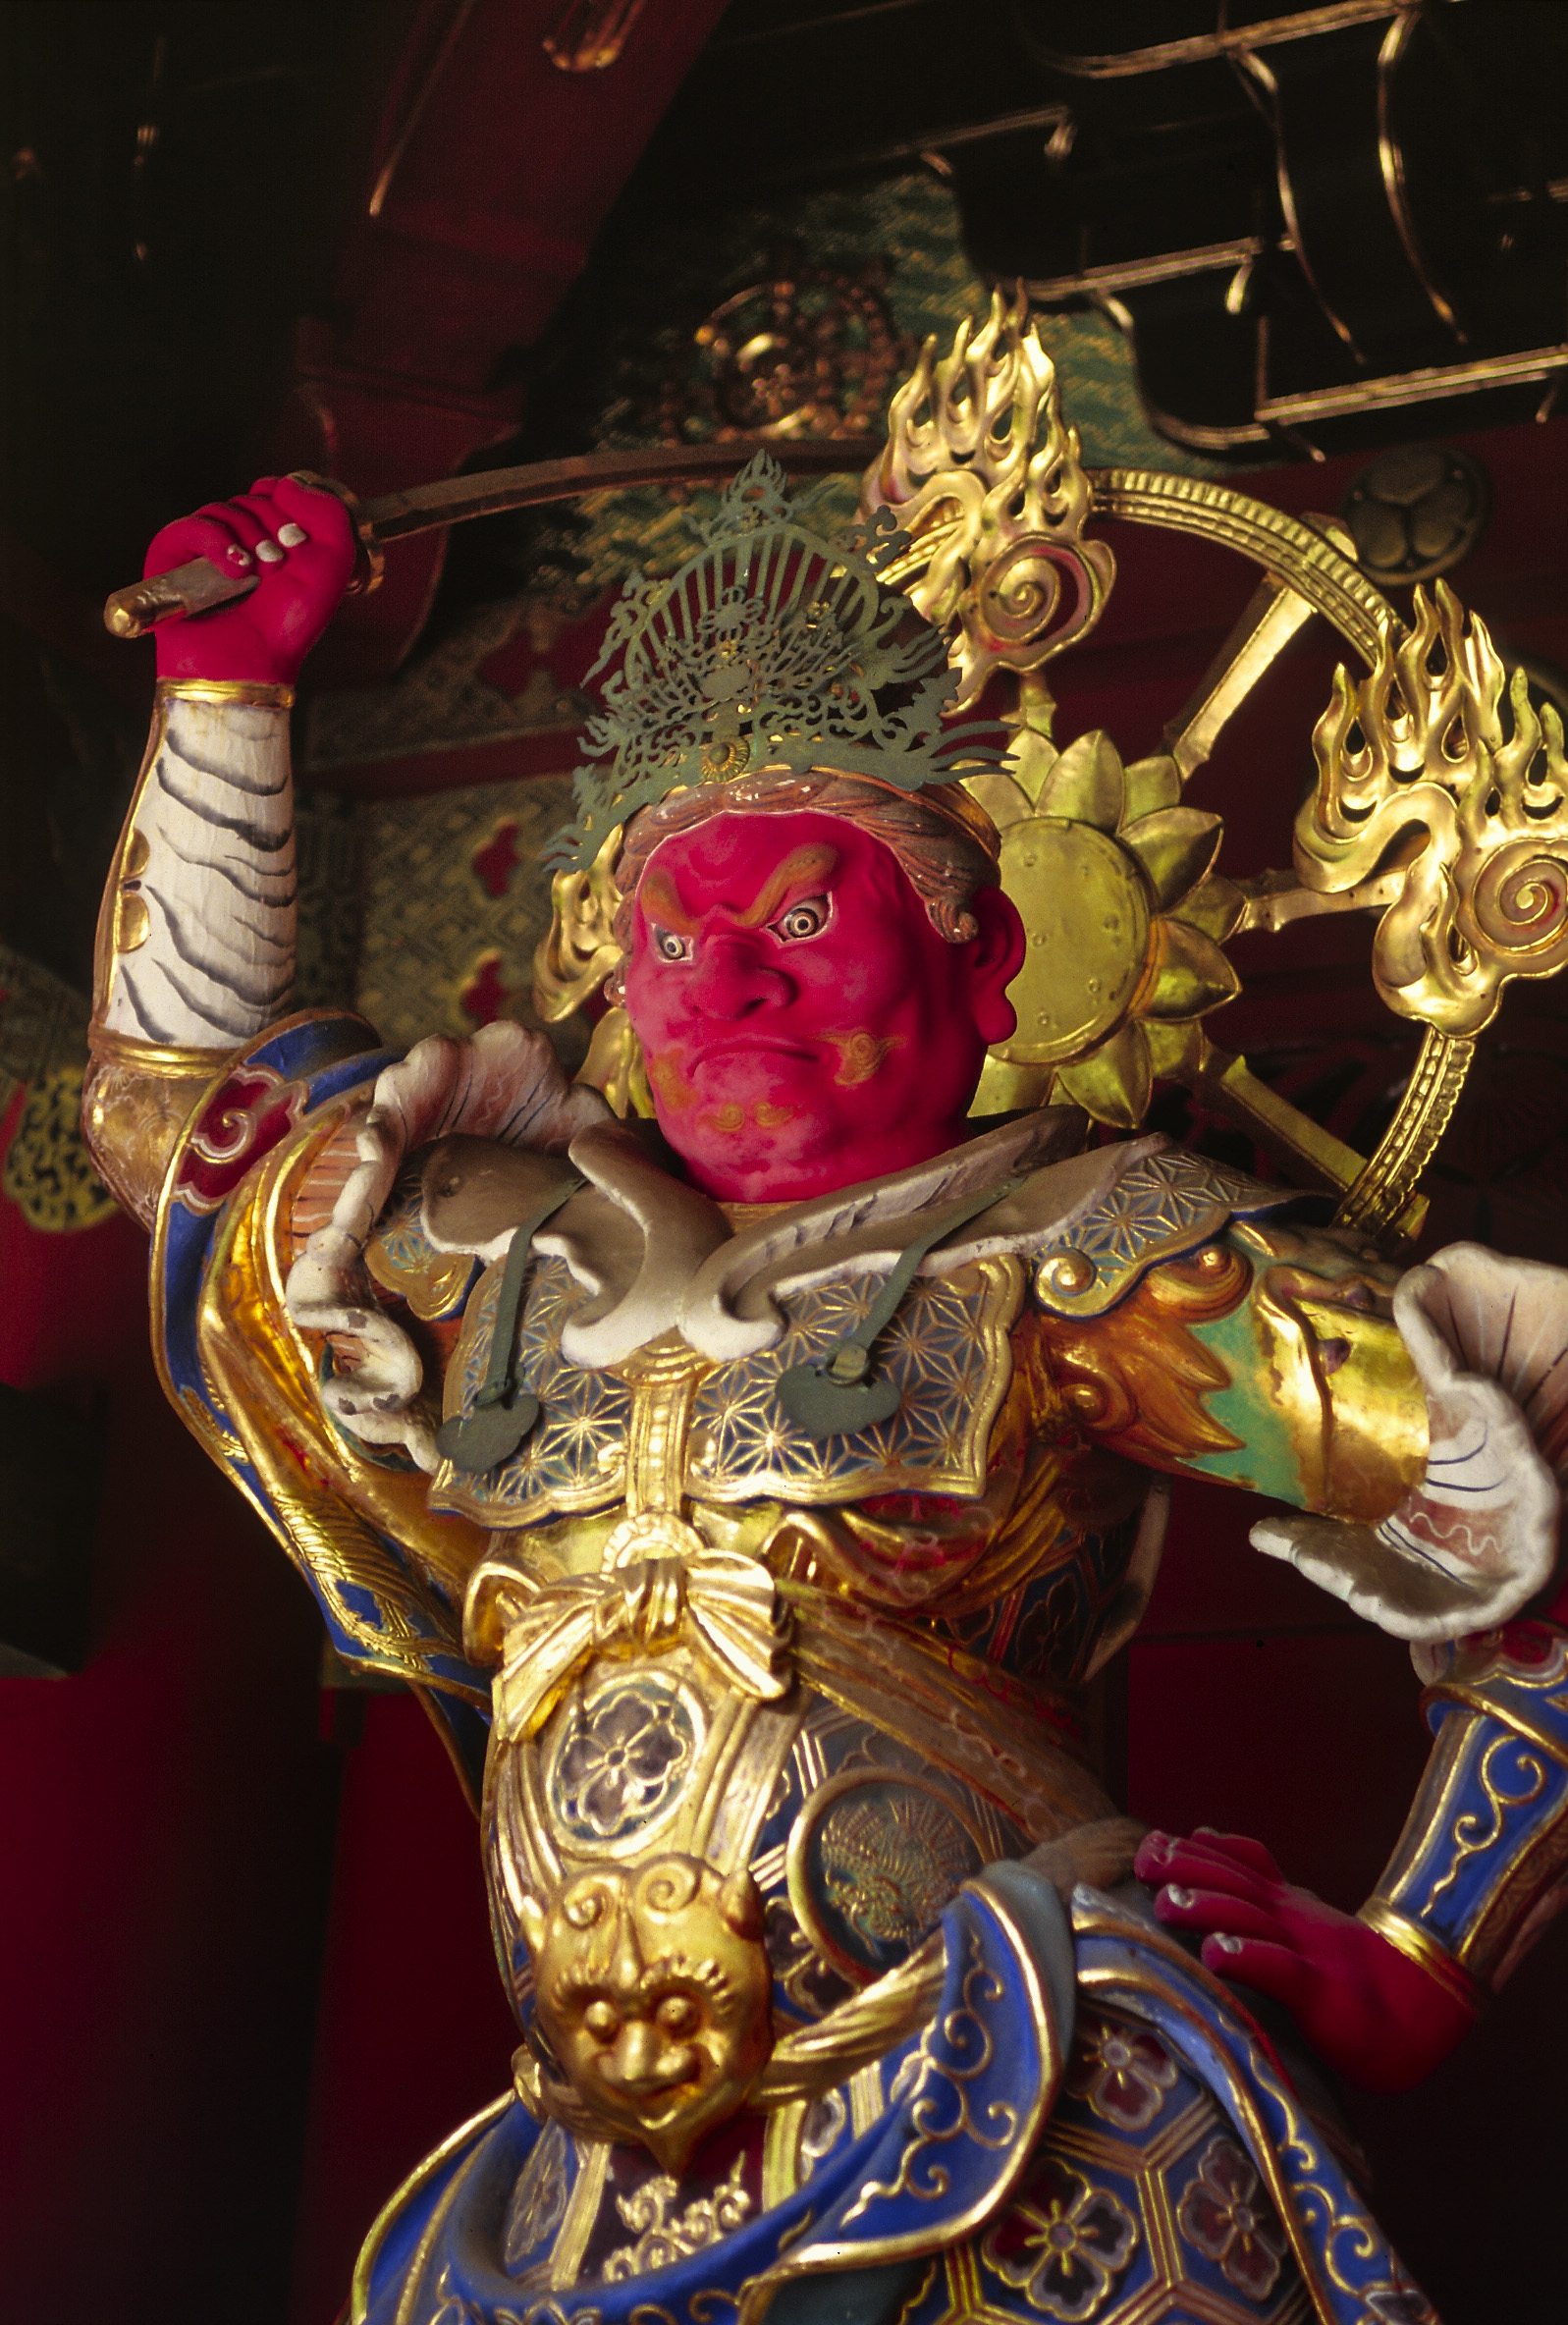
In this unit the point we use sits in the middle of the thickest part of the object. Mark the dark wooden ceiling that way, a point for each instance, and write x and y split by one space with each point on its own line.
364 235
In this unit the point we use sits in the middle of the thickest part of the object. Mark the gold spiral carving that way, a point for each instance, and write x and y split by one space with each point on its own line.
1521 903
987 507
1022 591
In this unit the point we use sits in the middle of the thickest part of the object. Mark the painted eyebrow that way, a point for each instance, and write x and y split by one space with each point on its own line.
810 864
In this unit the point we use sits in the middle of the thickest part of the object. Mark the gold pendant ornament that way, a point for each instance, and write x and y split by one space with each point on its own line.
655 1996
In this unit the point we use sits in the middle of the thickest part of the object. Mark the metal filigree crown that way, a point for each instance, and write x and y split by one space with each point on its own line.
769 648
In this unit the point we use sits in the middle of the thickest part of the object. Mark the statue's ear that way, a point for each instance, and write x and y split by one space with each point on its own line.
996 957
531 1913
740 1903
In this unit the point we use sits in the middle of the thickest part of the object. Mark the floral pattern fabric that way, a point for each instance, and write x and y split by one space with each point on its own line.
1063 2244
1124 2074
1225 2215
623 1765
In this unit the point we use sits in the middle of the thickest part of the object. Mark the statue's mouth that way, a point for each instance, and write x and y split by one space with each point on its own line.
659 2109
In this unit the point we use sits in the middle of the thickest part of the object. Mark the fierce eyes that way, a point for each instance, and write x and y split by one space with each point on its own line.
807 918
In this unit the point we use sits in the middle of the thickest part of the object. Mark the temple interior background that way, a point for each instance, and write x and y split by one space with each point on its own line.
247 1972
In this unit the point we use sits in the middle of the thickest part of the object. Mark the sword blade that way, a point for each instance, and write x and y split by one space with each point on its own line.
453 499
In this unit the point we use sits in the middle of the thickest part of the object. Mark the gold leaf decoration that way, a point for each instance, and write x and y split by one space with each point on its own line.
1123 919
1115 1082
1420 757
1192 976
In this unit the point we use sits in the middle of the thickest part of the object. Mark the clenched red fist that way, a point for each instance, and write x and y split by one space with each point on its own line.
298 541
1367 2009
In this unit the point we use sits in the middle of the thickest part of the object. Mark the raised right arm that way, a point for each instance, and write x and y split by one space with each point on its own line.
196 946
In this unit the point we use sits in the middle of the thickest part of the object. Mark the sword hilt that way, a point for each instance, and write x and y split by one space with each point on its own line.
193 588
200 585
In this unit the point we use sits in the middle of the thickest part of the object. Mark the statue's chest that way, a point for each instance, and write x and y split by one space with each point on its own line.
725 1437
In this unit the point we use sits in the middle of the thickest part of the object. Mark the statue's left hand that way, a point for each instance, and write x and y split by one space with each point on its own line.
1368 2011
301 544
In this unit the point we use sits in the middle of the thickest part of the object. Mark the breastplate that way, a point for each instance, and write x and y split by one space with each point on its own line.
724 1803
947 1350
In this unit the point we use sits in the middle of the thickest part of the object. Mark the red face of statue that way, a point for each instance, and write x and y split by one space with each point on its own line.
803 1023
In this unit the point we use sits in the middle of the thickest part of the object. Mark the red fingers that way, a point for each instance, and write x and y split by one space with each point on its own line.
294 544
1214 1909
1367 2009
1273 1970
1240 1847
1200 1864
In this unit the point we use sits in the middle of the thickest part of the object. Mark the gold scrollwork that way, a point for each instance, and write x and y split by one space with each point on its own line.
995 525
1474 1833
1139 1376
1420 757
964 2035
665 2235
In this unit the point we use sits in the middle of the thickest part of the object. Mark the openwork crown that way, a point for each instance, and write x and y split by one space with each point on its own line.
769 648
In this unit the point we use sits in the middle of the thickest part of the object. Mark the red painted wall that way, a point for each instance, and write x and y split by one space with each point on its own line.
166 1832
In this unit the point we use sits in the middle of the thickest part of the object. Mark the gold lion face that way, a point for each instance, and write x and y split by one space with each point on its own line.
655 1994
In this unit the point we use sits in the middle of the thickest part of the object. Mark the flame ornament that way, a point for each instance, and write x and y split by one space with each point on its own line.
1439 759
995 551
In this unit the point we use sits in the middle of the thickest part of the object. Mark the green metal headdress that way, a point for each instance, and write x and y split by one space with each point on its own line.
770 647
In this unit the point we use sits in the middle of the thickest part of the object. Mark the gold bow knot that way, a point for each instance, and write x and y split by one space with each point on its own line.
721 1601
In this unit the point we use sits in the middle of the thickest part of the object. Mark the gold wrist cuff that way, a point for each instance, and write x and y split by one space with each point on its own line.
220 691
1503 1713
156 1057
1418 1946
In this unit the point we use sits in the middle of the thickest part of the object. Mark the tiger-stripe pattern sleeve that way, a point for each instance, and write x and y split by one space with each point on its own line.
196 946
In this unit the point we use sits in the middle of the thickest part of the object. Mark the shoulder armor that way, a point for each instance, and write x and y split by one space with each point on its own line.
1162 1205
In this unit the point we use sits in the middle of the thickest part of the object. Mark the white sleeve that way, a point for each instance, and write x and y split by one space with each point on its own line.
203 927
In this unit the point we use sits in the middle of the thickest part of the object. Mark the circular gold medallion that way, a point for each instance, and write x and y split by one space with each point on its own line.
874 1857
1084 964
1416 512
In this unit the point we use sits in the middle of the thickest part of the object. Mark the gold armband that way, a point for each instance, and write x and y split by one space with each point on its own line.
170 1061
220 690
137 1098
1484 1848
1419 1946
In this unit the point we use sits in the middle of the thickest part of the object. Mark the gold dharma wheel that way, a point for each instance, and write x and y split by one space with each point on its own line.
1126 913
1442 801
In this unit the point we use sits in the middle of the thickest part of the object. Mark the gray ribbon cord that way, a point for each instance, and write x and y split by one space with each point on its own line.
837 1398
502 1413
